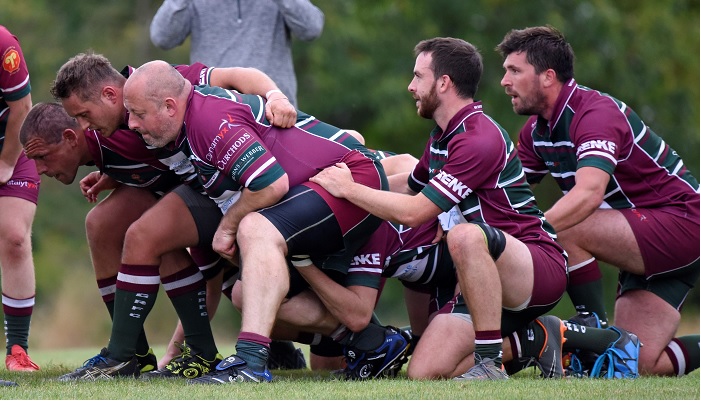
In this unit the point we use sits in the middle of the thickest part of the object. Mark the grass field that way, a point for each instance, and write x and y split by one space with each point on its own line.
305 384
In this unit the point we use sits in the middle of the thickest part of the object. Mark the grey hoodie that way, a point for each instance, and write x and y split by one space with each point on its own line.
240 33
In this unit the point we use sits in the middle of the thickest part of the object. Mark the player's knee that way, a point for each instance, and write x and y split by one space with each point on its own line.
649 363
464 236
95 222
254 227
15 248
15 244
237 295
462 233
140 235
419 369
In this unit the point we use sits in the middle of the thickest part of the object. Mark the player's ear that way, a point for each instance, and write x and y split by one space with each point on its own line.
70 136
109 93
171 106
548 77
443 83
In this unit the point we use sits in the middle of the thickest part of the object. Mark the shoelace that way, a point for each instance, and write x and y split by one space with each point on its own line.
180 359
94 361
23 360
481 369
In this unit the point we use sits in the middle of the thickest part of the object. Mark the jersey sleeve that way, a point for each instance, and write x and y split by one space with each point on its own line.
598 135
419 175
196 73
14 75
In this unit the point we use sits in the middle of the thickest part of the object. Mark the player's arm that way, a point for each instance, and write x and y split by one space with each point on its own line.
352 305
399 183
12 148
417 307
250 201
581 201
278 109
399 208
402 163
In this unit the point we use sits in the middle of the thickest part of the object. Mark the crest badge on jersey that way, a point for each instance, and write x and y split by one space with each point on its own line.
11 60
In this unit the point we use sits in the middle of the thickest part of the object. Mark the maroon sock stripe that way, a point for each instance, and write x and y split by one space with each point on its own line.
138 278
186 280
254 338
107 287
17 307
585 272
677 353
488 337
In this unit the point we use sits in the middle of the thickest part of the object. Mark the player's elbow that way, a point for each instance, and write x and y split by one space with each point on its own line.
413 220
280 187
357 321
593 201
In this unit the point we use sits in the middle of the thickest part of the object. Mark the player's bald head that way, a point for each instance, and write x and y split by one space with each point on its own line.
155 81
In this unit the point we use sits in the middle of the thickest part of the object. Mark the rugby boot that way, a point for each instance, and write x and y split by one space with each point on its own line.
620 360
233 370
385 361
19 361
102 367
147 362
550 359
484 369
186 365
283 355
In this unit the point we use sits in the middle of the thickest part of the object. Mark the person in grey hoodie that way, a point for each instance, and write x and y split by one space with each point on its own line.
240 33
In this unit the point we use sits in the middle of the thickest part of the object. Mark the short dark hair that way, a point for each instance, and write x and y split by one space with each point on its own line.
456 58
46 121
82 74
545 47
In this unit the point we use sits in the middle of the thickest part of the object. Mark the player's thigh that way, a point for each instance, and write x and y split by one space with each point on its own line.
166 226
515 267
303 218
114 214
598 233
445 344
653 320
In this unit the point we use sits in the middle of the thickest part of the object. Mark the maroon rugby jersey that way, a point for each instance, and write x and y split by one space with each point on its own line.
404 253
590 128
14 76
234 147
124 157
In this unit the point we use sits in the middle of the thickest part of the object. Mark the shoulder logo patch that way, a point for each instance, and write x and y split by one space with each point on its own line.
11 60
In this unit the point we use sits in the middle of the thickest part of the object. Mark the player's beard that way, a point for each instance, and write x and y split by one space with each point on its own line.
428 104
167 132
533 104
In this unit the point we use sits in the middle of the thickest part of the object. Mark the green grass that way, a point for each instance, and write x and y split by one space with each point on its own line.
300 385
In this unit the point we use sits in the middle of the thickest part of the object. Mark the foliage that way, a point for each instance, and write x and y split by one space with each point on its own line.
355 76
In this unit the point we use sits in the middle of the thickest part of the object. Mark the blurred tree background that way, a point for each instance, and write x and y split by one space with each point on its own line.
355 76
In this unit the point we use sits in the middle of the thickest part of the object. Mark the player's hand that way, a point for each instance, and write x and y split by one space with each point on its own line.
94 183
224 243
279 111
336 179
439 235
5 172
